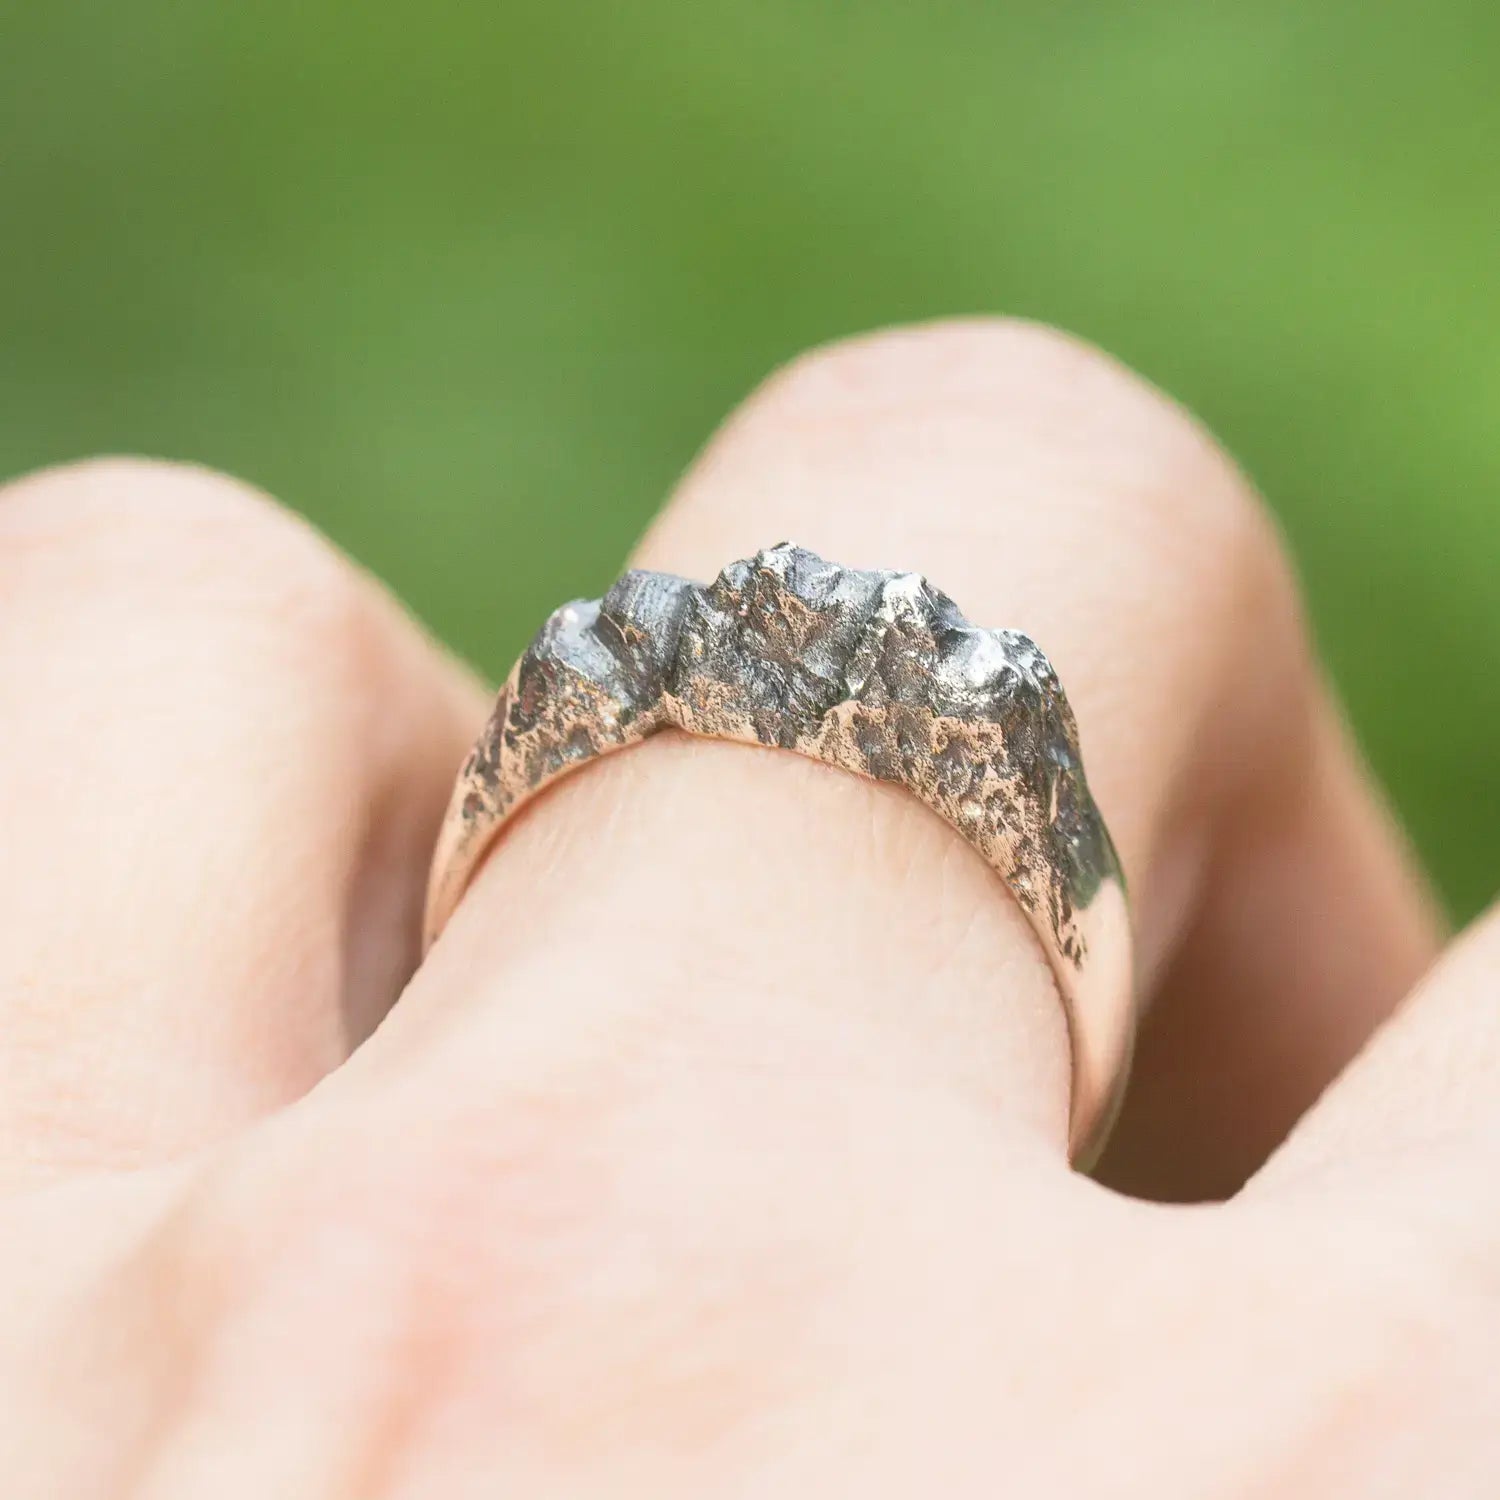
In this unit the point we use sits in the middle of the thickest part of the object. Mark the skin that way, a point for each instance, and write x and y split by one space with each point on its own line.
780 1208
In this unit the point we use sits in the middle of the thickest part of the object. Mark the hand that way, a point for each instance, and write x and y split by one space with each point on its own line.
781 1209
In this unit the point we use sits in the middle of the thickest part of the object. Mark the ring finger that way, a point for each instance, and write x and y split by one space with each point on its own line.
1042 487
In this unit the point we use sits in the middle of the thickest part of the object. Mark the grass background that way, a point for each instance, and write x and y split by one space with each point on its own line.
453 278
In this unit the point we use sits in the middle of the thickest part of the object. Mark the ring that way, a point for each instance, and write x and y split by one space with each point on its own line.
874 672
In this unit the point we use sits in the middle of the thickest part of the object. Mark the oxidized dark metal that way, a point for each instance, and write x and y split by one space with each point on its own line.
876 672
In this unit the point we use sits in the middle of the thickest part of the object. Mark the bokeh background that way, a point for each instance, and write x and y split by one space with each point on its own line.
468 283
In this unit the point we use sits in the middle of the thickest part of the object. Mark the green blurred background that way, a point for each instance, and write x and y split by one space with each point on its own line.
459 278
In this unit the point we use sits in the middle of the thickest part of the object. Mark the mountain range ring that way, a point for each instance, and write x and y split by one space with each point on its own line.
870 671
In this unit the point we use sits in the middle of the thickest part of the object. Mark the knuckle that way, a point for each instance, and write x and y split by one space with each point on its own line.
70 503
1038 430
130 547
1042 484
946 356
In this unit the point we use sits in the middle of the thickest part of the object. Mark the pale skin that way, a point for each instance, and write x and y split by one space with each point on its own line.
781 1209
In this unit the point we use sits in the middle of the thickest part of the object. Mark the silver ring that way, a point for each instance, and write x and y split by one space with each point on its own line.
875 672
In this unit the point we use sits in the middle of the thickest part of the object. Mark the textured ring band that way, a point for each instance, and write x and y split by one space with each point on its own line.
874 672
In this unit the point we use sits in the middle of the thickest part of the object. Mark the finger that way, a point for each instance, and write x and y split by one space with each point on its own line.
223 760
1420 1107
1044 488
1309 925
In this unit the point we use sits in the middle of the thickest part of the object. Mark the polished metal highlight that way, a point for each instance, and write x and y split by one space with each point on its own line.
874 672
